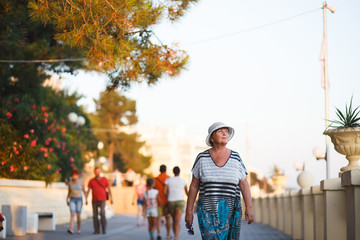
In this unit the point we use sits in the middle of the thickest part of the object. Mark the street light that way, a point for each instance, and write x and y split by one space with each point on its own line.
325 82
100 145
77 120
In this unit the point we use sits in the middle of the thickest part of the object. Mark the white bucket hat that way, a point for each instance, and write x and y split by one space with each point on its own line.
216 126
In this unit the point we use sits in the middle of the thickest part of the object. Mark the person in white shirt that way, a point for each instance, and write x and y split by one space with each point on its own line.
174 189
151 202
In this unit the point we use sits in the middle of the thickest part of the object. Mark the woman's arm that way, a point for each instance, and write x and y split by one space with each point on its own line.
194 188
68 195
245 189
186 190
134 196
83 188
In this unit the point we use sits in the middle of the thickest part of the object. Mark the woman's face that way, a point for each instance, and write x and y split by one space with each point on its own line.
220 136
75 176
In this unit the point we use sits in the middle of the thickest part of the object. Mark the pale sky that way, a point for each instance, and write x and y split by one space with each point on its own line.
268 78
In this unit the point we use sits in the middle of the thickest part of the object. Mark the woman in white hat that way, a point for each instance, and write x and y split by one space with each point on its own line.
220 175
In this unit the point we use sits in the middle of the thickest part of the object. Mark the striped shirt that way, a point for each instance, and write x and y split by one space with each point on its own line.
218 182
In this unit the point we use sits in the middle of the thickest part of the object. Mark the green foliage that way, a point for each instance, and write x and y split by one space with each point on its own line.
349 118
23 39
38 142
116 36
127 154
114 111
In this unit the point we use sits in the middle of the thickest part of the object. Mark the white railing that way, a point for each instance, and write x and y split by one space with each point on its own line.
329 211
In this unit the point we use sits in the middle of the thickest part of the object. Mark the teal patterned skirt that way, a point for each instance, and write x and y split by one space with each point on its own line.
219 218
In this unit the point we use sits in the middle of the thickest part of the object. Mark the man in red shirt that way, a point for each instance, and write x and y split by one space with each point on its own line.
99 186
162 210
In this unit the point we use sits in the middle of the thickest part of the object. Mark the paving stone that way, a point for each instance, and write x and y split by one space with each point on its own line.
123 227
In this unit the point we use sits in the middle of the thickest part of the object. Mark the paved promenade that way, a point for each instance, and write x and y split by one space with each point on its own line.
123 227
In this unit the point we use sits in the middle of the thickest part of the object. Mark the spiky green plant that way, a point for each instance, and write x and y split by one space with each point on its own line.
347 119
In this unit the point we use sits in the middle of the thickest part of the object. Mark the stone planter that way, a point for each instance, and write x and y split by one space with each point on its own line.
280 182
347 142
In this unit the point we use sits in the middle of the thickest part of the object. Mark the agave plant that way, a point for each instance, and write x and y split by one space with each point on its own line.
347 119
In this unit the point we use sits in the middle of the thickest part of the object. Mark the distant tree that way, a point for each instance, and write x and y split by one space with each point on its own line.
116 36
127 154
114 111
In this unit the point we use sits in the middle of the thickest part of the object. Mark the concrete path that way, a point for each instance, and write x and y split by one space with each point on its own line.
123 227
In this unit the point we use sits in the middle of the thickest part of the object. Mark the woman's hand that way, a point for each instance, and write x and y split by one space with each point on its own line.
249 215
189 218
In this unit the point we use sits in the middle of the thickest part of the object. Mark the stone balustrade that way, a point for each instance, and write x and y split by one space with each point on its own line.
330 211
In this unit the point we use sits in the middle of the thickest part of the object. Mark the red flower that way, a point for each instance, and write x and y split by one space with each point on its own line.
42 149
46 114
72 165
43 109
16 100
48 166
12 169
45 120
26 168
71 159
51 149
26 136
63 129
9 115
33 106
33 143
15 143
60 169
31 130
45 154
3 163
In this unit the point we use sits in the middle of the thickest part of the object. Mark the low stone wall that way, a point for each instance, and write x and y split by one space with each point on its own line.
39 198
329 211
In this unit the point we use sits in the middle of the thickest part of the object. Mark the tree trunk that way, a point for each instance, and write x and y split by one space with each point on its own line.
111 156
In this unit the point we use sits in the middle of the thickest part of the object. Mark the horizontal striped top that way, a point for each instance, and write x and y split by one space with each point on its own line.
218 181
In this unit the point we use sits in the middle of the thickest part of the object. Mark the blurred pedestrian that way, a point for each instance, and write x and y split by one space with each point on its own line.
163 210
100 191
151 203
139 197
220 175
74 200
130 177
116 178
174 189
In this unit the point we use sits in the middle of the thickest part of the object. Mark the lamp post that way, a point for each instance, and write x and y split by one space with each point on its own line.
326 85
75 119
